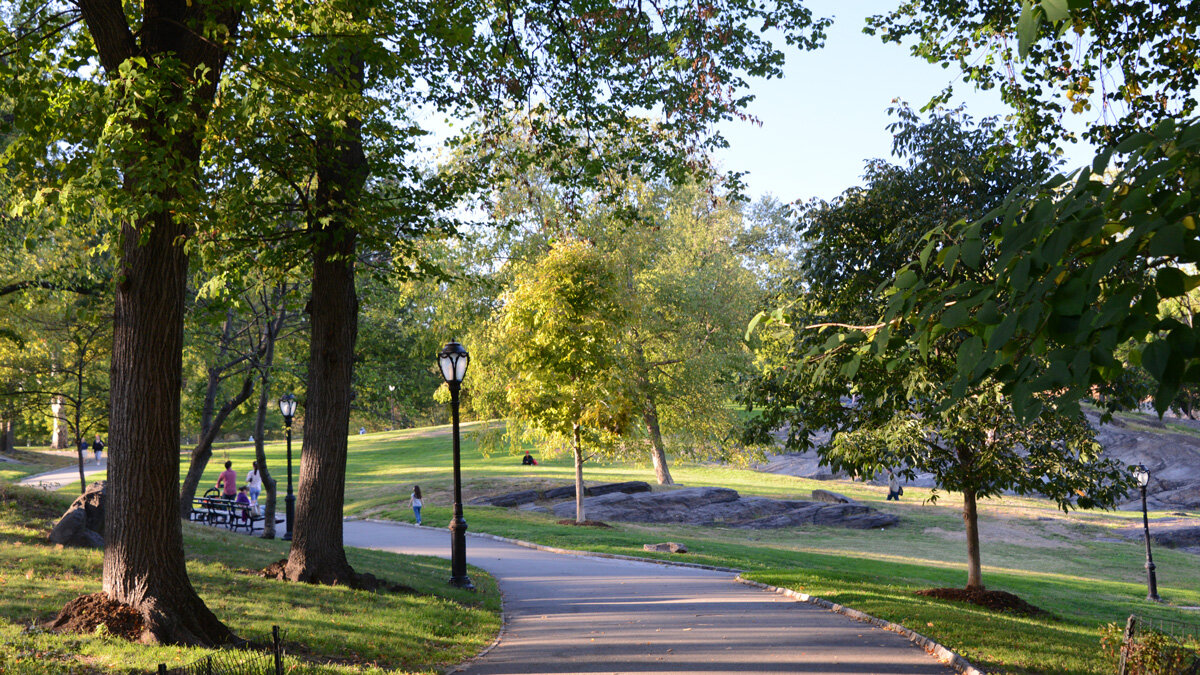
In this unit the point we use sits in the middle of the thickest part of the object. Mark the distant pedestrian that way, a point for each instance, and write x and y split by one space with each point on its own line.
227 481
362 430
254 485
416 503
894 489
98 448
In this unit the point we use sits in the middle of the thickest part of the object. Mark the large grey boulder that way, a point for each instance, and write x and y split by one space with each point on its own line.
83 523
724 507
629 487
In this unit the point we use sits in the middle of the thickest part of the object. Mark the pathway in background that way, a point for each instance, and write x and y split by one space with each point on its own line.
579 614
53 480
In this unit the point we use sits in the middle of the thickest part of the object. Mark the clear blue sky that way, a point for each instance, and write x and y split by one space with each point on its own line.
829 113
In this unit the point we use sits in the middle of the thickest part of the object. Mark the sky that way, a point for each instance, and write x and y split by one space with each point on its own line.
828 115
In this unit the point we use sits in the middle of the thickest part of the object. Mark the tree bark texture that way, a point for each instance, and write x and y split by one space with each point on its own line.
317 555
577 447
143 556
971 521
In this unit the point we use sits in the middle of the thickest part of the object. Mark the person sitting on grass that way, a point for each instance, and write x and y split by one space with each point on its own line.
528 460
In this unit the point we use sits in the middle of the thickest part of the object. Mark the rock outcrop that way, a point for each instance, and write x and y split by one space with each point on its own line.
725 507
511 499
83 523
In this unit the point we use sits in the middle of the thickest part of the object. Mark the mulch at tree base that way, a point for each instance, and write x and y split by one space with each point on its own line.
586 523
361 581
998 601
85 613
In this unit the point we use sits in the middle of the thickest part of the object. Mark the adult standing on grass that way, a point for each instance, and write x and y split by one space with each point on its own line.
98 448
894 490
254 485
416 503
227 481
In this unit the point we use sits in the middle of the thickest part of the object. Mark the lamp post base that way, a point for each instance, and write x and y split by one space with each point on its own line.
290 502
458 551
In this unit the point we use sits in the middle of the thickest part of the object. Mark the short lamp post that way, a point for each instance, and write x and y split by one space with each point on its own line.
287 406
1143 479
453 361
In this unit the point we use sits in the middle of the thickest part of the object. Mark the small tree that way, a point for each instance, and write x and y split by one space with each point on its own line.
559 333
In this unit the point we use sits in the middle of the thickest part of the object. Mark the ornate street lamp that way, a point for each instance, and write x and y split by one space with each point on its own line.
453 361
287 406
1143 479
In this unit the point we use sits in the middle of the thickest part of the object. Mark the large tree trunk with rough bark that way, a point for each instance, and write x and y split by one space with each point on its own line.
144 563
317 554
971 521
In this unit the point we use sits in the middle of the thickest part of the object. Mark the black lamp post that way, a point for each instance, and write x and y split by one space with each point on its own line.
1143 479
287 406
453 361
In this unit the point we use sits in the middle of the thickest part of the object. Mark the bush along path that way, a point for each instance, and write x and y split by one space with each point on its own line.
571 613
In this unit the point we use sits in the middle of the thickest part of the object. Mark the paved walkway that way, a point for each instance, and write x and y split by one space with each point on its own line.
53 480
578 614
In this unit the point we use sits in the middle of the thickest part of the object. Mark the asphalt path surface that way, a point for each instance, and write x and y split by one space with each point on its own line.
581 614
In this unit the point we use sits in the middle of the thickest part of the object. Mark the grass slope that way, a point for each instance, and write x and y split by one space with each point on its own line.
344 631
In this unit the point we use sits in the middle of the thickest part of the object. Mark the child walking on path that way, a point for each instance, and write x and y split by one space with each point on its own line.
416 502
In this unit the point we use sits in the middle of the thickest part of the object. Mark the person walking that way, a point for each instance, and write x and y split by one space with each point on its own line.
254 486
416 502
894 489
98 448
227 481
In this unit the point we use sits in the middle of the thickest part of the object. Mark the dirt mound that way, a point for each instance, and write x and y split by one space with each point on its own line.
85 613
359 582
586 523
997 601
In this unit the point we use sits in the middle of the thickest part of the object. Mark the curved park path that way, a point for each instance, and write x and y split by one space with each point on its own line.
581 614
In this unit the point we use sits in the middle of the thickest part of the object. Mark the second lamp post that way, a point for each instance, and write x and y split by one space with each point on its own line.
453 361
1142 475
287 406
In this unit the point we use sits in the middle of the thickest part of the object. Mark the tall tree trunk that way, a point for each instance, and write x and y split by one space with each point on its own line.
203 450
144 563
578 448
658 454
59 437
271 335
7 442
971 521
317 554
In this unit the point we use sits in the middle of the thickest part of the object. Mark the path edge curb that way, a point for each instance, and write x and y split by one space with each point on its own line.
942 653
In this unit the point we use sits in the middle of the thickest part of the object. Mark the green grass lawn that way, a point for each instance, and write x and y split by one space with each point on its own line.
1071 565
1064 563
333 630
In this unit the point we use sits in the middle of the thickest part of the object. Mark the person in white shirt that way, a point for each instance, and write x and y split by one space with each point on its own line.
416 502
254 487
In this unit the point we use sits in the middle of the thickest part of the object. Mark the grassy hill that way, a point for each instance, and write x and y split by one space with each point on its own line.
329 630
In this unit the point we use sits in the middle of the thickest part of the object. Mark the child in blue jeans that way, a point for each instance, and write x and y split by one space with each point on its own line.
416 502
